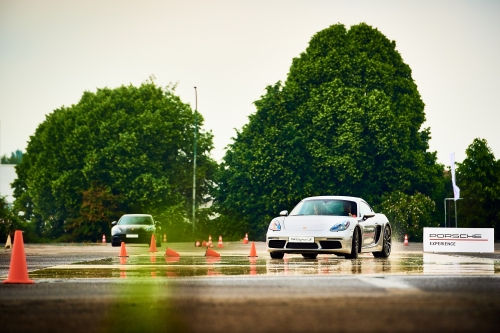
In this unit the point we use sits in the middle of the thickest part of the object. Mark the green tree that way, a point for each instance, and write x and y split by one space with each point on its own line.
478 177
123 150
99 206
346 121
409 214
9 221
15 158
5 219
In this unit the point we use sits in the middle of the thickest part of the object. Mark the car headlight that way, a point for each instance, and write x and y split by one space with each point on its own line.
275 225
151 228
341 226
116 230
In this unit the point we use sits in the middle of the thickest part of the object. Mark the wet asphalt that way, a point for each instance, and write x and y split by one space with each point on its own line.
88 288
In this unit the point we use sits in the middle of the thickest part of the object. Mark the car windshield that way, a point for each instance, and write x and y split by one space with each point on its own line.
142 220
332 207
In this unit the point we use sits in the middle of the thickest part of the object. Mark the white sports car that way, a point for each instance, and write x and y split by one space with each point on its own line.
340 225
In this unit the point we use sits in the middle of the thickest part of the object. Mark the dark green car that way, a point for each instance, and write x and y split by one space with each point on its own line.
135 228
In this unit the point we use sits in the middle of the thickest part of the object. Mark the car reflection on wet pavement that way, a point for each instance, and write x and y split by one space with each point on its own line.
195 264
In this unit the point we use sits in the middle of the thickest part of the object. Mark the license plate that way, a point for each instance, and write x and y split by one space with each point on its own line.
301 239
132 236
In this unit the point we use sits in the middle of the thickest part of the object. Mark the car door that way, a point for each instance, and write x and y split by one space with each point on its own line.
368 225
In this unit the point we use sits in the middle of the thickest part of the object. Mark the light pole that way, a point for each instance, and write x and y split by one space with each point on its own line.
448 199
194 156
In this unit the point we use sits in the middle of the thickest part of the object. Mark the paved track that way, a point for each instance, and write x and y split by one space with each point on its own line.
410 292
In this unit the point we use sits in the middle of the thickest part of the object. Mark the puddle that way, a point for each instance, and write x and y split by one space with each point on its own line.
453 264
159 266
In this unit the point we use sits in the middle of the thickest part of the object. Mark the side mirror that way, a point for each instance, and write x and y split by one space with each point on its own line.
113 223
368 215
284 213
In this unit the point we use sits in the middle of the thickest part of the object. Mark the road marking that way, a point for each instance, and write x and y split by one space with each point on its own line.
387 283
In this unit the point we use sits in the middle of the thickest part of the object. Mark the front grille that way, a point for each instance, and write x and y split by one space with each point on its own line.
143 238
330 245
277 244
308 246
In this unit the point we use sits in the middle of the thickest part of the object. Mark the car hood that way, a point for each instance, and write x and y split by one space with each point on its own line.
312 222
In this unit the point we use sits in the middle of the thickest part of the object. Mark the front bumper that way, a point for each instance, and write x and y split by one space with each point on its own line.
339 242
142 238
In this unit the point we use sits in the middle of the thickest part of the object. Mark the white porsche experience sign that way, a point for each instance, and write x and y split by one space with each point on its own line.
458 239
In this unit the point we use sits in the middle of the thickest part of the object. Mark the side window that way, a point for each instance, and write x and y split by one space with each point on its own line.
364 208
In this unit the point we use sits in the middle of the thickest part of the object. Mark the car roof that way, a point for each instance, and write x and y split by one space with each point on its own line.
338 197
137 215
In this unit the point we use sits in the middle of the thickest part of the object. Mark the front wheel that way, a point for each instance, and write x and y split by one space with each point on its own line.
354 246
386 248
276 255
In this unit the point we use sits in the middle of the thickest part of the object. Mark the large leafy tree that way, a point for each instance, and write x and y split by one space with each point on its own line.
478 177
346 121
409 214
123 150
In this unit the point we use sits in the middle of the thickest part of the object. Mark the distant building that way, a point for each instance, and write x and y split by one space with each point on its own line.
7 176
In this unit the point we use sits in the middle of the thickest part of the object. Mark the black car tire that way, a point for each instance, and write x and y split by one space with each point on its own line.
310 255
158 244
387 245
115 244
355 245
276 255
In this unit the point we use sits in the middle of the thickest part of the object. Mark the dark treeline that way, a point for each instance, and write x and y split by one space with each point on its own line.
346 121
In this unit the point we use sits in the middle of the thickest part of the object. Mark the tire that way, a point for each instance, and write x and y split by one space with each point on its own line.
387 245
276 255
115 244
158 244
309 255
354 246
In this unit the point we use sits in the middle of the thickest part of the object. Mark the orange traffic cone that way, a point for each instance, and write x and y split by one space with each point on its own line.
152 247
171 253
8 243
253 251
212 260
123 251
170 260
406 240
103 238
253 266
220 242
211 253
210 241
18 271
245 240
197 243
204 243
164 238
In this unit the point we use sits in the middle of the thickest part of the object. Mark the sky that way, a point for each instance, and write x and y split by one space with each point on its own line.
53 51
